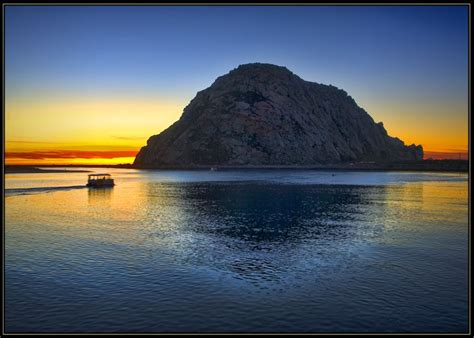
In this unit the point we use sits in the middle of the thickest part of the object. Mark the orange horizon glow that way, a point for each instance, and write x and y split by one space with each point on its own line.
112 157
110 130
445 155
94 131
66 157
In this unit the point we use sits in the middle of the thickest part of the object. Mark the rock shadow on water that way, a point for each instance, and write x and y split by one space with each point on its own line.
260 214
260 232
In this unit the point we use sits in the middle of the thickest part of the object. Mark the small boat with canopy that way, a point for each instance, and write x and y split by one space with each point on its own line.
100 181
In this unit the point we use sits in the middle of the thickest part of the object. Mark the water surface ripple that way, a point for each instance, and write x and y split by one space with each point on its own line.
237 251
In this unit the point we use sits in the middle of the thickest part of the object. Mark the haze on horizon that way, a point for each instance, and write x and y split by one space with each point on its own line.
90 84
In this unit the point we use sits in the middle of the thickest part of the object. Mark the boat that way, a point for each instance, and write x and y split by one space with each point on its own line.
100 181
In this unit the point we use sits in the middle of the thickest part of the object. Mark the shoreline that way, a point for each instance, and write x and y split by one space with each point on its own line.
9 169
461 166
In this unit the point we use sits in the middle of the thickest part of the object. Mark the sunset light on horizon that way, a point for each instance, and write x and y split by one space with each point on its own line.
90 84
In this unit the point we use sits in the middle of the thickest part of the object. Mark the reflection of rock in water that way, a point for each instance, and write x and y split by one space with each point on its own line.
266 233
99 195
262 213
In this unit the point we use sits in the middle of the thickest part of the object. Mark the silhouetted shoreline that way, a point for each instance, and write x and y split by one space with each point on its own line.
21 169
425 165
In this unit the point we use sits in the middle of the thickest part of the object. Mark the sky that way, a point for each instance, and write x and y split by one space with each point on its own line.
90 84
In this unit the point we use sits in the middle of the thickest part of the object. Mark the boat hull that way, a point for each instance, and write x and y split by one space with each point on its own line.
101 184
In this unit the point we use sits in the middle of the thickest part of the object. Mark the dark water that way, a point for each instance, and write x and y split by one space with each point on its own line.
278 251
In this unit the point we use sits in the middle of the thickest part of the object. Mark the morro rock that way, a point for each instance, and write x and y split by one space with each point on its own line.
262 114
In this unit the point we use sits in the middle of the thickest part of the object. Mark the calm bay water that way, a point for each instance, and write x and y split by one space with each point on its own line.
225 251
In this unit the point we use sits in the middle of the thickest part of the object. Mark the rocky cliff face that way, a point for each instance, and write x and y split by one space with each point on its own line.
262 114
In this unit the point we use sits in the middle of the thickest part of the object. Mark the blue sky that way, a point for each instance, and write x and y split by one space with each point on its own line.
383 56
158 48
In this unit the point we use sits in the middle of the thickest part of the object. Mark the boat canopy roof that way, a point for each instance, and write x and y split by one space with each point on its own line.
90 175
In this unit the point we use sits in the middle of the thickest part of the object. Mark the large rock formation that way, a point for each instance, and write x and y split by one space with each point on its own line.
262 114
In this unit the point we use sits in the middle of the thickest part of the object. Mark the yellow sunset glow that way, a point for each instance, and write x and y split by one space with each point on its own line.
441 128
111 131
84 125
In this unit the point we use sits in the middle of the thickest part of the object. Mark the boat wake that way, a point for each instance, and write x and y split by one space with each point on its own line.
28 191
